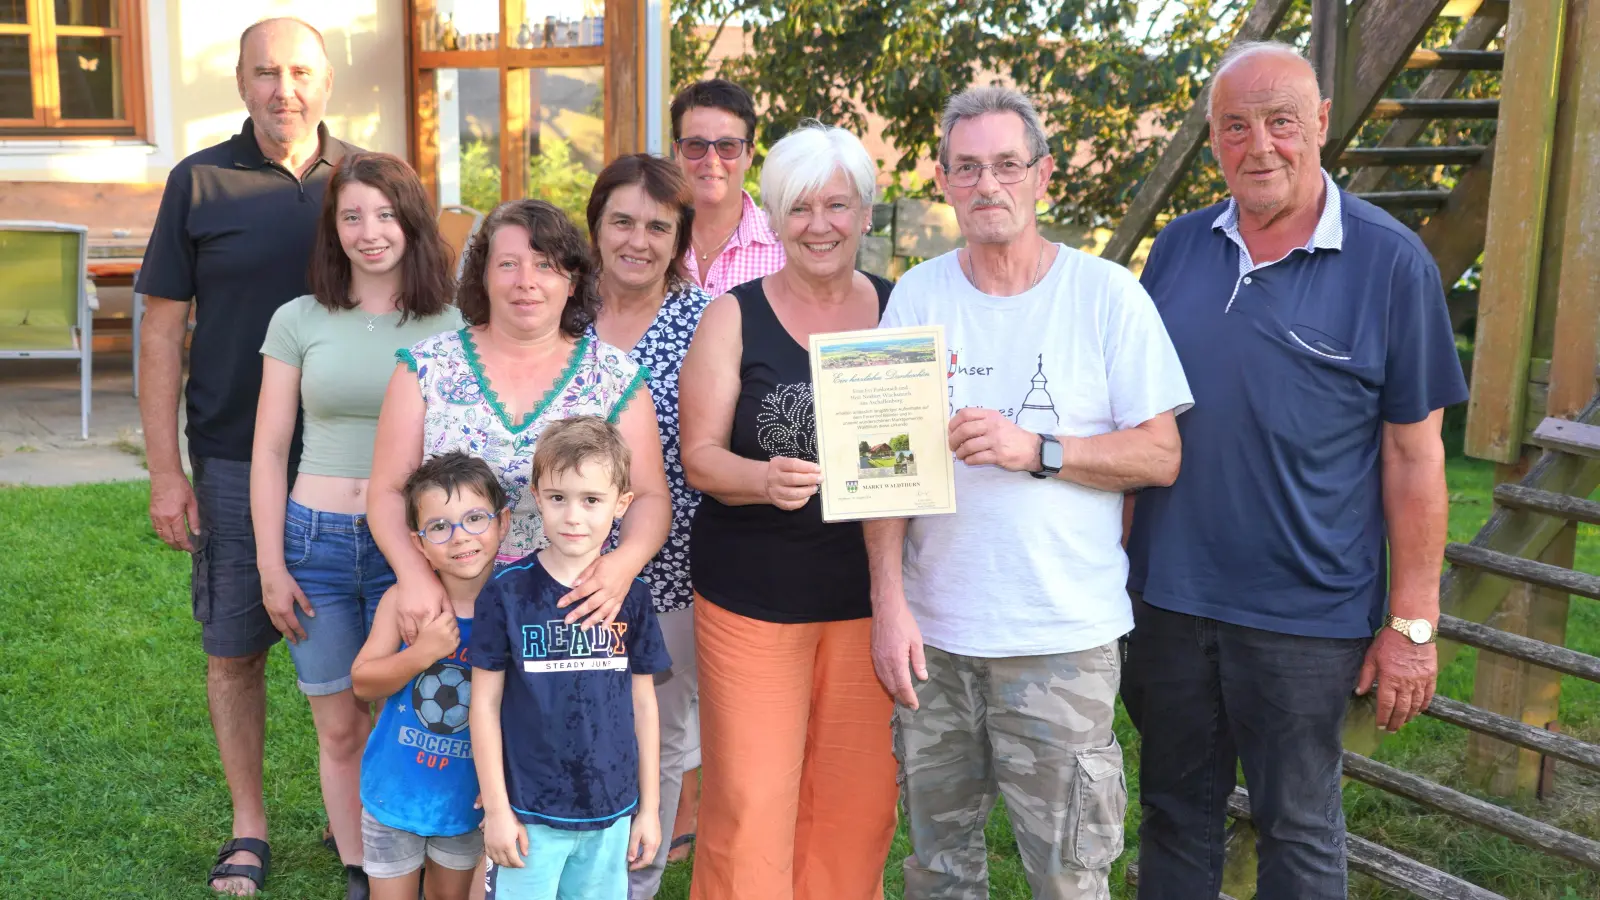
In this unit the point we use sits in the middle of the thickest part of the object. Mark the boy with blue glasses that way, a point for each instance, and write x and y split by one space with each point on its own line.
418 784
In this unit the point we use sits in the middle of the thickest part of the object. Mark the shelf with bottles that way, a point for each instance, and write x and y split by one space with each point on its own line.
559 23
454 26
464 26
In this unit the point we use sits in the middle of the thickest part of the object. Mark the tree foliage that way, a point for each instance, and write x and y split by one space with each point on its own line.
1111 77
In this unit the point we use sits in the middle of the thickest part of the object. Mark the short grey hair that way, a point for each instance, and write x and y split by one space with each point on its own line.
977 101
803 161
1244 50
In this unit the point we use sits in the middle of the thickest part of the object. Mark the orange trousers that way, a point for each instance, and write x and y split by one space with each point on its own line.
798 795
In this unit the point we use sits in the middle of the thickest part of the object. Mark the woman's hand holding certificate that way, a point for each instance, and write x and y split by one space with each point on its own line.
791 482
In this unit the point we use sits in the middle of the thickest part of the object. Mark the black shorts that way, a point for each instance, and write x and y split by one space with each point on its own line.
225 585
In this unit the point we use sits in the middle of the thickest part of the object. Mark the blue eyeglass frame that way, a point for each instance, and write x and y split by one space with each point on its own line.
492 514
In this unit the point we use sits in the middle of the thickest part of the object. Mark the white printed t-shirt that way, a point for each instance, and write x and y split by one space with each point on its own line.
1030 566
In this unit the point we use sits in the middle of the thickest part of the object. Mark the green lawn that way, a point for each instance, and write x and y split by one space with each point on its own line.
111 785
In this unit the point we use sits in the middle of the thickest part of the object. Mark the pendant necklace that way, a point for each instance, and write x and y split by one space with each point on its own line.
704 257
972 276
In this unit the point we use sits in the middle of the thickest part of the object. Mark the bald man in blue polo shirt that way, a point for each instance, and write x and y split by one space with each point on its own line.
1296 558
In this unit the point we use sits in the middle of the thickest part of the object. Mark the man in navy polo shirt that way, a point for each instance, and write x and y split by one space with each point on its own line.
233 235
1313 331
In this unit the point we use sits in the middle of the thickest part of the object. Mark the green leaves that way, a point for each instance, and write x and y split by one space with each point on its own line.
1110 77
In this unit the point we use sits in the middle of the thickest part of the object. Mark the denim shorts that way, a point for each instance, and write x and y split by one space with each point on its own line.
224 584
339 568
390 853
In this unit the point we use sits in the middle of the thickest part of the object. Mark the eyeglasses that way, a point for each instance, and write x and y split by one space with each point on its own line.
695 148
1006 171
440 531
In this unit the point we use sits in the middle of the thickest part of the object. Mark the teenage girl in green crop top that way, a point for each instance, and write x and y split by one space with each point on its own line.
381 280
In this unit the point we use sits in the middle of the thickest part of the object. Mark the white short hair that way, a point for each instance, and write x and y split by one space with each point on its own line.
1244 50
803 161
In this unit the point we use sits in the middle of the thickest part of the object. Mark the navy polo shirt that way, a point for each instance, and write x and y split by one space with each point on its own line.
566 717
234 233
1276 520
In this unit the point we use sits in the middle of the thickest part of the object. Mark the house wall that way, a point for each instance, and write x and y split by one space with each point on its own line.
191 47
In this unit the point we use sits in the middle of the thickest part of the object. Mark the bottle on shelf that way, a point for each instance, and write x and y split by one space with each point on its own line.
449 38
549 31
591 30
524 37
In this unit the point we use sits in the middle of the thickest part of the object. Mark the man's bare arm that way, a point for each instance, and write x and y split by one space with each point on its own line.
173 511
1146 455
1143 456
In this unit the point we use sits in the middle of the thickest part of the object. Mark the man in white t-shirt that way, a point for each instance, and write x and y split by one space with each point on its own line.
1064 389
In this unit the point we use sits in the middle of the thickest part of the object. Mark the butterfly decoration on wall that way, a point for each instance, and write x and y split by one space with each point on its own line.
89 64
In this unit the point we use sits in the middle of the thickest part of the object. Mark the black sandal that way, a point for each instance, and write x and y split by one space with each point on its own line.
356 886
257 874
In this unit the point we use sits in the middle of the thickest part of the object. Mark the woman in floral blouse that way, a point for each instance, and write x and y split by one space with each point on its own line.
639 214
525 359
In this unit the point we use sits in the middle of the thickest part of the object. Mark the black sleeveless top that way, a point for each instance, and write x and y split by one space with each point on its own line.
760 561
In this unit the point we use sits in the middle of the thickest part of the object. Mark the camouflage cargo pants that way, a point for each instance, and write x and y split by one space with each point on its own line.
1036 729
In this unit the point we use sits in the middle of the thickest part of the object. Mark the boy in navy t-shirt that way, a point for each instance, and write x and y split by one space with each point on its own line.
564 727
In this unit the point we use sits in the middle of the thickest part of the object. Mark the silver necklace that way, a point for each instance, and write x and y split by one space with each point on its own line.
372 321
972 277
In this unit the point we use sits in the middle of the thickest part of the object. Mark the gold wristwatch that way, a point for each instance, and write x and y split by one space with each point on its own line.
1417 631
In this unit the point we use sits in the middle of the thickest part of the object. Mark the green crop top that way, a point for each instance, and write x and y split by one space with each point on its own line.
344 370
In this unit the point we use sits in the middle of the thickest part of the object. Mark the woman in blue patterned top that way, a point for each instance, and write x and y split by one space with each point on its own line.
640 213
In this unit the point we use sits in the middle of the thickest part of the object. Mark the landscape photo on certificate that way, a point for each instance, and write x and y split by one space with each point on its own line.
885 455
887 352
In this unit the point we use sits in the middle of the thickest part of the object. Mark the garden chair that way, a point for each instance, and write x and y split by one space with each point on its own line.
457 224
44 297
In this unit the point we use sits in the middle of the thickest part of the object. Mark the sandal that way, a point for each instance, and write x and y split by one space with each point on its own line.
356 886
257 874
684 843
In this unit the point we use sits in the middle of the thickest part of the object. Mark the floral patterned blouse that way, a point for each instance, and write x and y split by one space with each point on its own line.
463 413
661 350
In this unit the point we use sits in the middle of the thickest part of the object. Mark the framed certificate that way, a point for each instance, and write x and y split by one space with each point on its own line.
883 416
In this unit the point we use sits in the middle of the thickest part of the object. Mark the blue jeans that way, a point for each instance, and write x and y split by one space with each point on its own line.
1205 696
337 564
568 865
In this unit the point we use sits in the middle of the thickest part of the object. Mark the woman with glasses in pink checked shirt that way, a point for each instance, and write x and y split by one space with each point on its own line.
713 132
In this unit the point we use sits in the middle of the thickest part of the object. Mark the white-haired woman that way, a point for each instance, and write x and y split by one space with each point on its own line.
798 799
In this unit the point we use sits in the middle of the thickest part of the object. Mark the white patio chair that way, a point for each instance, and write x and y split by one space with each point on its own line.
44 297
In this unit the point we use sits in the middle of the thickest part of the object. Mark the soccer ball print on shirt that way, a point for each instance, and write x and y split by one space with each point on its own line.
440 697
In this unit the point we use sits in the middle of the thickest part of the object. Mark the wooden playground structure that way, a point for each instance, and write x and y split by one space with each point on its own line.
1526 201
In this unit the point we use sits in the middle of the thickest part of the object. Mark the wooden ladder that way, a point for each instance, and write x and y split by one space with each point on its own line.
1359 49
1527 517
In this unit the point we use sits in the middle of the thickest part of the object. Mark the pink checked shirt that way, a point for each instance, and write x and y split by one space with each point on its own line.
753 252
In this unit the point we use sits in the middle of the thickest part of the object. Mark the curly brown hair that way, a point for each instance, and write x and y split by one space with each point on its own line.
425 279
551 233
663 182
